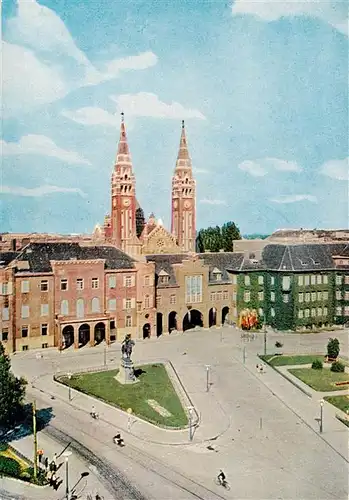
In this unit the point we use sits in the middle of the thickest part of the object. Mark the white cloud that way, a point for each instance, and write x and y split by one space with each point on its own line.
92 116
207 201
336 169
39 191
260 167
28 82
333 12
253 168
40 145
282 165
293 198
42 29
143 60
42 63
148 104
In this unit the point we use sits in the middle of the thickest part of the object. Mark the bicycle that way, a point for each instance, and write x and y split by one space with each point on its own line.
224 483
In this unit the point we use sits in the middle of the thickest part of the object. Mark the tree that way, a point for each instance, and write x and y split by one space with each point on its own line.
229 232
217 238
12 392
140 221
333 348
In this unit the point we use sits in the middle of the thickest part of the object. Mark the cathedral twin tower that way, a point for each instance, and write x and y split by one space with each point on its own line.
120 225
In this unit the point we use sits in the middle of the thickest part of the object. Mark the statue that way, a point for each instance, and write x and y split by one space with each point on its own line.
127 346
126 373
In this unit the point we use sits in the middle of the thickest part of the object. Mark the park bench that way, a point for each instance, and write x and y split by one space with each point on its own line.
342 383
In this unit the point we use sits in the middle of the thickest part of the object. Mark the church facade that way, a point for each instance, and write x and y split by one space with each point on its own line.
119 228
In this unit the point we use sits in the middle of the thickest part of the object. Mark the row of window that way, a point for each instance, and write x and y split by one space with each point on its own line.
312 279
173 300
339 279
129 281
313 312
312 296
342 311
342 295
217 296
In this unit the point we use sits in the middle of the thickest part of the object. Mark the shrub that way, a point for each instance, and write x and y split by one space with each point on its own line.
333 348
317 364
338 367
9 466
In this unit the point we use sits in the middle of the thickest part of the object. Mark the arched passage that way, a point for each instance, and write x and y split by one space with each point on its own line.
172 321
68 336
225 312
146 331
84 334
99 332
158 324
212 317
192 319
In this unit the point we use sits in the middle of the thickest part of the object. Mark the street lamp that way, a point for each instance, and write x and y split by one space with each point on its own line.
321 415
66 455
105 354
190 409
265 339
82 475
207 377
129 411
69 375
244 354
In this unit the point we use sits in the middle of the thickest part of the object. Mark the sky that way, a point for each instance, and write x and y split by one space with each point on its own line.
262 87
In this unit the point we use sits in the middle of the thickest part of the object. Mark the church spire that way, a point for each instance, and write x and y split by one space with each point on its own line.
183 153
123 148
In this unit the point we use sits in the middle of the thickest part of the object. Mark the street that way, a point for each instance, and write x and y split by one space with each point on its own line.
258 428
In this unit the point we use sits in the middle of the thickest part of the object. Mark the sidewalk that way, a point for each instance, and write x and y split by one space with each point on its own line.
212 419
307 408
89 485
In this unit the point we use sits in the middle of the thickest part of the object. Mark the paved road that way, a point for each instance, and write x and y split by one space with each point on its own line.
282 452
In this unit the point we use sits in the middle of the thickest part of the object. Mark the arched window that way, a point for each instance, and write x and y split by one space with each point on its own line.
64 307
95 305
80 313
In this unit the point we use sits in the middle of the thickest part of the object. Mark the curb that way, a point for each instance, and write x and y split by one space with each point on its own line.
293 382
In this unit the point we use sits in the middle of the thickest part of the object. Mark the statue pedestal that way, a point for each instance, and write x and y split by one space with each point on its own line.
126 373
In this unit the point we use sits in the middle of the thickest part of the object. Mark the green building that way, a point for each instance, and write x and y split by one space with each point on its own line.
296 287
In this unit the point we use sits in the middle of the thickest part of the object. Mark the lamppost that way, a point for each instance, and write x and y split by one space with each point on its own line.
207 377
244 354
129 411
69 375
190 409
66 454
321 415
105 353
265 339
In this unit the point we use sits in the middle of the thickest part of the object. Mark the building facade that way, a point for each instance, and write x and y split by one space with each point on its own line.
66 294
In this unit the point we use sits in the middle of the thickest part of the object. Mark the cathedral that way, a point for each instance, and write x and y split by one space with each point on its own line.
119 228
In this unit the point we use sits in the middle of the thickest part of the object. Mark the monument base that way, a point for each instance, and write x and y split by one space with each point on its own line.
126 374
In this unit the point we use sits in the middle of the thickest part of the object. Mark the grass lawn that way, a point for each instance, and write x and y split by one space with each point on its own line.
341 402
301 359
293 360
154 383
321 380
7 452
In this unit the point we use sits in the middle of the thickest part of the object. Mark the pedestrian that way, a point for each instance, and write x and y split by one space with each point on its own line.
53 480
257 368
49 477
46 463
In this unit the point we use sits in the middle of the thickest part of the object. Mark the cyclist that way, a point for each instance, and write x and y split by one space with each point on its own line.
221 477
